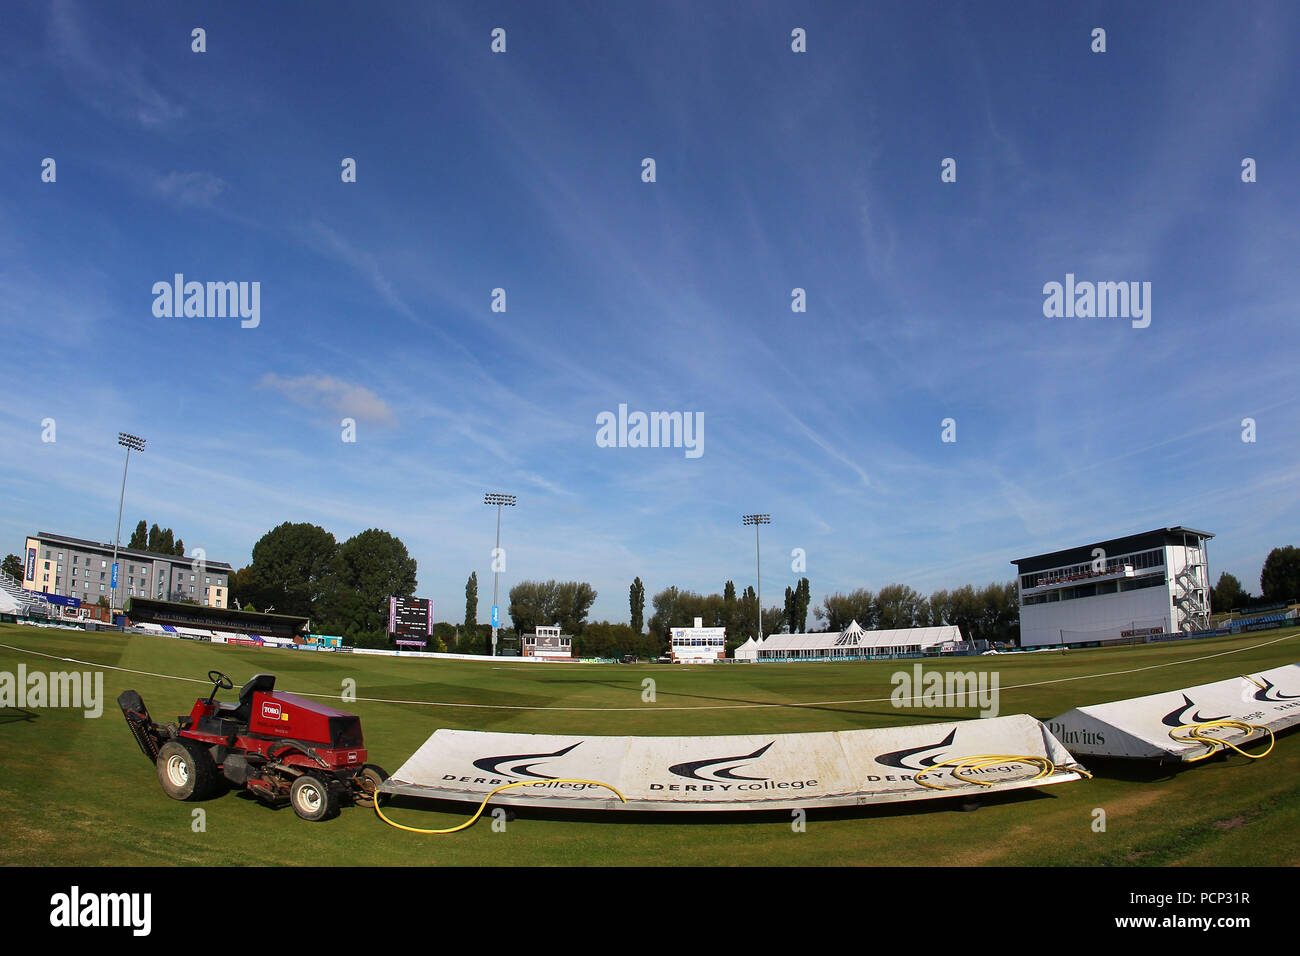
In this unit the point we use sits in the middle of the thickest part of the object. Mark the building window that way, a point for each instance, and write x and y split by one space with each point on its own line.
101 587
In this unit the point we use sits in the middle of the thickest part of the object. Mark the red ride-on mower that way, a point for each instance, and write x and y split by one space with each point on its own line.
279 747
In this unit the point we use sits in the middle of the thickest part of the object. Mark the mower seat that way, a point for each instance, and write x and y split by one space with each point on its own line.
243 710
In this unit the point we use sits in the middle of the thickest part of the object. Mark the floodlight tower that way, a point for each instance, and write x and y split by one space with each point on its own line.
129 442
501 501
757 520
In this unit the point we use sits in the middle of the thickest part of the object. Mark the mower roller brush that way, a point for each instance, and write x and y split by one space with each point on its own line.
280 747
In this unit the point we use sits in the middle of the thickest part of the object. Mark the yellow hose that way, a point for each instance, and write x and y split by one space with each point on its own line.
1196 735
483 805
978 762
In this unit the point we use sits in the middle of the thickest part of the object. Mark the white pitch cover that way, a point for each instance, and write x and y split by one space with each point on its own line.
749 772
1139 728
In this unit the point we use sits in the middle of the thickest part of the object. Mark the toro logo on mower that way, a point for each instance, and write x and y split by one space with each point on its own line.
270 710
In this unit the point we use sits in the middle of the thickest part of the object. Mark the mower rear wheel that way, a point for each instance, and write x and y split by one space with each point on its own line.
312 799
368 780
186 770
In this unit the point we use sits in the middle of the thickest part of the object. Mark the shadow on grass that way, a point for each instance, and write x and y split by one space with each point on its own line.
11 715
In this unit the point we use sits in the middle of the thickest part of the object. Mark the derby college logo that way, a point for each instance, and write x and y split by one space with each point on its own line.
1271 694
726 767
1178 716
520 765
918 758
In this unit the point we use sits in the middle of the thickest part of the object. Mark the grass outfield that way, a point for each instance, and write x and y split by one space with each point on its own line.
78 792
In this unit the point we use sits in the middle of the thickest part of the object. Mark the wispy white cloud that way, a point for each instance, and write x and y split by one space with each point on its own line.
326 392
192 189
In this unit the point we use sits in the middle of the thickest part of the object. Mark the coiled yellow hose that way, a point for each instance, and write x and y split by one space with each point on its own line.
1197 735
978 762
483 805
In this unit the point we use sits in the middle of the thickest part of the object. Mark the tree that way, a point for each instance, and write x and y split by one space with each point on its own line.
731 613
139 537
838 610
573 599
471 600
292 569
748 613
897 605
796 607
565 603
368 569
13 566
636 600
179 550
940 607
603 639
240 587
1228 594
1280 579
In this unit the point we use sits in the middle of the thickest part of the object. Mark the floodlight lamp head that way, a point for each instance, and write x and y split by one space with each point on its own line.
133 442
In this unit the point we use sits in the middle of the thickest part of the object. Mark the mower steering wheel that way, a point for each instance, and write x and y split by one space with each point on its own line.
219 682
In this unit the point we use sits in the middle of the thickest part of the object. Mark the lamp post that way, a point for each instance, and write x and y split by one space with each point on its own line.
500 501
128 442
757 520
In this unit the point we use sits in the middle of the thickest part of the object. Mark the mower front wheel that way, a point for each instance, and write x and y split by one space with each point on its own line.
186 770
312 799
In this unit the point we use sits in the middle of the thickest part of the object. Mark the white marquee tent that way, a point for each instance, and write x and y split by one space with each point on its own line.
853 642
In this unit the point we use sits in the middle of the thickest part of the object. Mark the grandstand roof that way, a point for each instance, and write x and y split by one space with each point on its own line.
1115 546
135 552
141 610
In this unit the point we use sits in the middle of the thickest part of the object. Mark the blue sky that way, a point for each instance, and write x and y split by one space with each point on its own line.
775 170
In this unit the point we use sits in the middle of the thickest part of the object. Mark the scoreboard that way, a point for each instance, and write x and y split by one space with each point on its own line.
410 617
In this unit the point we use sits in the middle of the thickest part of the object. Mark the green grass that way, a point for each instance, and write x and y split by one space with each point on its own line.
78 792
